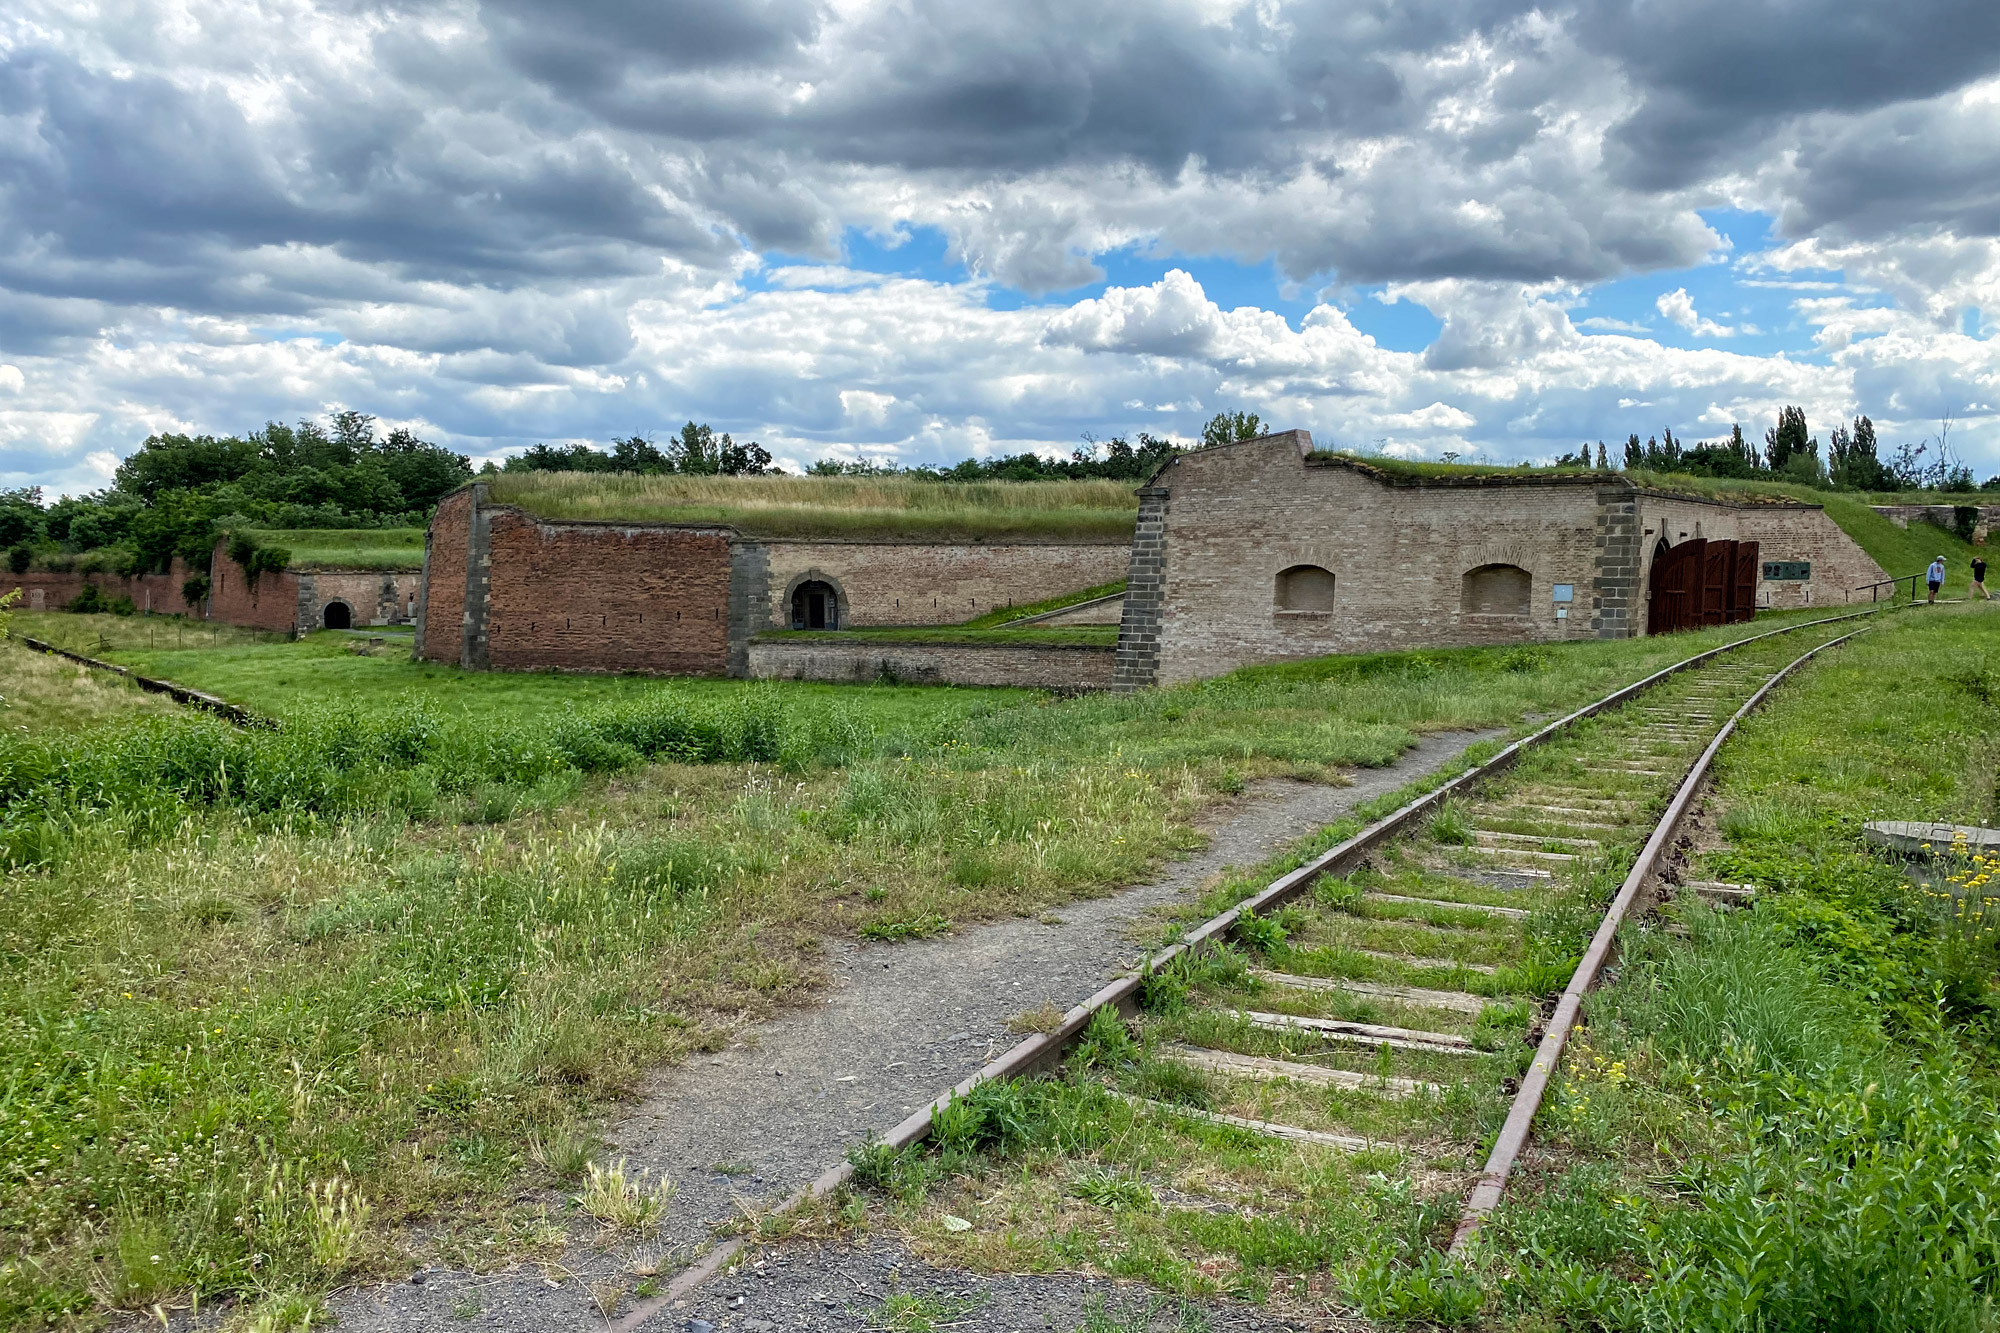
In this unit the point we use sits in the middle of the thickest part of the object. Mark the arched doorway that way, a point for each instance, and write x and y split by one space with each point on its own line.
337 616
815 605
1496 590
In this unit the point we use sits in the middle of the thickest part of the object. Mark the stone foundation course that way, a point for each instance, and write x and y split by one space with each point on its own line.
1036 666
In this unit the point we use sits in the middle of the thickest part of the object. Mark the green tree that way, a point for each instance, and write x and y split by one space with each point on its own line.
22 520
1788 437
1229 427
1853 463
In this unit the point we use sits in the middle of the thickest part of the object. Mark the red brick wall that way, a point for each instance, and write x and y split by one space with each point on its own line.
158 593
273 604
601 597
444 585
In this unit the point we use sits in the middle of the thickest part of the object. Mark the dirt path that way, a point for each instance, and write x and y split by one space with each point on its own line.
901 1023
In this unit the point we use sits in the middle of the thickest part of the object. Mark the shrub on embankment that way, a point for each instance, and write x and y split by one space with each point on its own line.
336 761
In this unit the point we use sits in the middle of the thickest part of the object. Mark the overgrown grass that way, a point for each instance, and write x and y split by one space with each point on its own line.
298 982
1789 1122
41 693
344 548
276 678
780 506
101 635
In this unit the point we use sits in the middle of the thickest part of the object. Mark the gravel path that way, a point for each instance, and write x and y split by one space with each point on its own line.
901 1023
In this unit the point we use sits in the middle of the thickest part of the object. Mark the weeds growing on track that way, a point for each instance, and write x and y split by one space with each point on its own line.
1788 1122
263 992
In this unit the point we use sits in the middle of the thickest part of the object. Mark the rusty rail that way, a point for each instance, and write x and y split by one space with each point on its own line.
1513 1135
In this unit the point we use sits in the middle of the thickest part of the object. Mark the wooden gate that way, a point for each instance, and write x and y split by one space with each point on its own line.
1702 583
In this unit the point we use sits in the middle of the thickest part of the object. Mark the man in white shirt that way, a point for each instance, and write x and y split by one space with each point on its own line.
1934 576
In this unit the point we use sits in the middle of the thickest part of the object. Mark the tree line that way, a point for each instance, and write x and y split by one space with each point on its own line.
176 492
1791 452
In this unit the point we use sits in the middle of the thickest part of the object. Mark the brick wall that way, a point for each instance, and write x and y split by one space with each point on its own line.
157 593
1782 532
441 600
273 604
372 596
1943 516
1399 551
1045 666
935 583
605 596
1219 526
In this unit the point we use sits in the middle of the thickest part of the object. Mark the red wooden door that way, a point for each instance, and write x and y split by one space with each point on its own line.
1676 588
1715 584
1743 598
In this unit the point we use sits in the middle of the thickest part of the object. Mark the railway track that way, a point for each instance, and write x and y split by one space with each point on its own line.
1410 989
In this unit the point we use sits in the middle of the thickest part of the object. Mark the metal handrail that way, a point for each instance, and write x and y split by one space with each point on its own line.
1911 579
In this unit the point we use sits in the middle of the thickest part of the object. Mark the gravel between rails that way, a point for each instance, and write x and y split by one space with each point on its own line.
901 1023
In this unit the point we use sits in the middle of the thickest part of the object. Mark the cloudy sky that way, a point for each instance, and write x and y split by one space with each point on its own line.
924 229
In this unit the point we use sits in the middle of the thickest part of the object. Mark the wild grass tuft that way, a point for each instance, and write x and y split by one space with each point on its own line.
623 1200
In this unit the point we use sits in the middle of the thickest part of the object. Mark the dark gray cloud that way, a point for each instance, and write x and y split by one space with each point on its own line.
1717 78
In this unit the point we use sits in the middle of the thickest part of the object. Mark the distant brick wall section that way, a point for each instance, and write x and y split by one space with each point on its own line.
273 604
1943 516
441 631
604 596
157 593
1229 520
372 596
1783 533
1041 666
935 583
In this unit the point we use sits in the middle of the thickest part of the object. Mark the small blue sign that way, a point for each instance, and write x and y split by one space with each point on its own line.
1564 592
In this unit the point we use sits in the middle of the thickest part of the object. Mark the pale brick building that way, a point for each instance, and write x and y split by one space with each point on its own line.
1264 551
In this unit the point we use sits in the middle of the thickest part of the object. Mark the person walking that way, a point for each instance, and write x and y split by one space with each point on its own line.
1934 576
1979 579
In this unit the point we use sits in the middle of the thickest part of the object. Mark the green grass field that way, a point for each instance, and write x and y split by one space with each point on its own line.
241 970
345 548
780 506
42 692
275 678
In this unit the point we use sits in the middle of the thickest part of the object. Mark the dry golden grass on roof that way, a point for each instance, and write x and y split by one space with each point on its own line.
789 506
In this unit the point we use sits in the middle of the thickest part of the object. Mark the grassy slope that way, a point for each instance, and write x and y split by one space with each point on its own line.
342 548
105 635
39 691
415 1006
836 506
1098 635
1790 1120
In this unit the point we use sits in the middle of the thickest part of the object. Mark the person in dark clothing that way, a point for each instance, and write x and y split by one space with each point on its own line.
1979 579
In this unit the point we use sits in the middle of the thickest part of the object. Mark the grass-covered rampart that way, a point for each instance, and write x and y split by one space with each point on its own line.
263 1012
853 507
346 548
